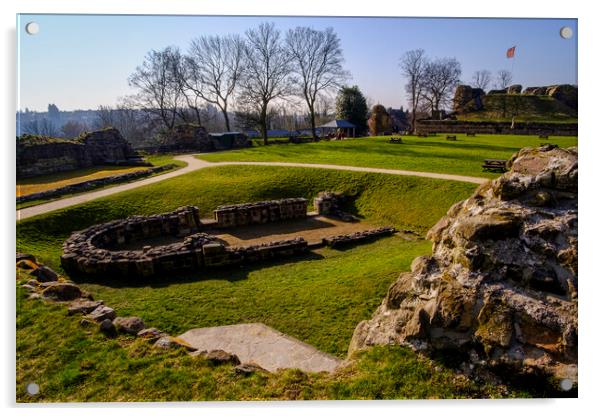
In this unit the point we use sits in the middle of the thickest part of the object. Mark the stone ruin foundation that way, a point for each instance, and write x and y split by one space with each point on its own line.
99 250
260 212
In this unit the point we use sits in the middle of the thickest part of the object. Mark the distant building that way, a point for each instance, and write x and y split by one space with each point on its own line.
335 126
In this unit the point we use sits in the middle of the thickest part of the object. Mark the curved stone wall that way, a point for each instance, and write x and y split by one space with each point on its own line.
95 250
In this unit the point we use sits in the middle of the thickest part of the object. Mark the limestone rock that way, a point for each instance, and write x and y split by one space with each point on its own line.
129 325
101 313
87 323
37 155
61 291
151 334
501 284
28 287
565 93
108 328
45 274
169 342
25 256
83 306
248 369
219 357
468 99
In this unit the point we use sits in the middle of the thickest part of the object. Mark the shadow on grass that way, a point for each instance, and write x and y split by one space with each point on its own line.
231 274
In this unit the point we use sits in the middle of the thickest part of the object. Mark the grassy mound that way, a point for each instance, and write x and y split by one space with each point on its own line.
429 154
538 108
318 298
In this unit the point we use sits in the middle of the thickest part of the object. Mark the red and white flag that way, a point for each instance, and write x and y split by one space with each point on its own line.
510 52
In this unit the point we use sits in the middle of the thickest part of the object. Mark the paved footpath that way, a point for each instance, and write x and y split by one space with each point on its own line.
195 164
262 345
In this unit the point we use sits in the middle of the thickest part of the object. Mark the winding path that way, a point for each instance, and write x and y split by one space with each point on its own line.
196 164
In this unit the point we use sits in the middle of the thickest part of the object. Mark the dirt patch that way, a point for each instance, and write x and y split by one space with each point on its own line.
312 229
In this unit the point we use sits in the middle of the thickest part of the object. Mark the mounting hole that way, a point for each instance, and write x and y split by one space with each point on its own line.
33 389
566 32
32 28
566 384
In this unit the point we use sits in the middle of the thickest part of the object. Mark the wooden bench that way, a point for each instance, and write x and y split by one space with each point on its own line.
494 165
543 136
395 140
453 138
421 135
433 134
471 134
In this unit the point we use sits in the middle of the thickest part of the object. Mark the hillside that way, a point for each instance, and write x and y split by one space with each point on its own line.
541 108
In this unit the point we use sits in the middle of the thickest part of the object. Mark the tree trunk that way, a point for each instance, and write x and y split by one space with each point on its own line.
263 125
312 116
226 118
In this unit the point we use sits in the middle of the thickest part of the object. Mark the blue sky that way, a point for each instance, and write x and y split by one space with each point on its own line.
83 61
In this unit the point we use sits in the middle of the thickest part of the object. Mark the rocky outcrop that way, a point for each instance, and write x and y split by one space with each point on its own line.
468 99
565 93
501 285
194 138
514 89
43 155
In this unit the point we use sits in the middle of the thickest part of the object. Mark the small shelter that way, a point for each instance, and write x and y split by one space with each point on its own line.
342 125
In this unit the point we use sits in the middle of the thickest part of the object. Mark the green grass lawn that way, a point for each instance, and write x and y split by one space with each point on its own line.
429 154
331 290
71 363
318 298
26 186
57 180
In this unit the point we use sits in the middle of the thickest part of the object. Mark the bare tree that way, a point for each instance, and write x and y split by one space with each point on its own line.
266 73
214 67
73 128
156 80
318 65
413 65
504 79
482 79
41 127
441 76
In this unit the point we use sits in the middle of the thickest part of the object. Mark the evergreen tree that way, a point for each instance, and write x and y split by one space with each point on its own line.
351 106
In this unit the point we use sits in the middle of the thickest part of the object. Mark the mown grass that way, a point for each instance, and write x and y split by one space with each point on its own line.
429 154
402 201
71 363
42 183
318 298
331 290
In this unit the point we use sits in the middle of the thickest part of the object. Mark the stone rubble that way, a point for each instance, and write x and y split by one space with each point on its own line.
501 284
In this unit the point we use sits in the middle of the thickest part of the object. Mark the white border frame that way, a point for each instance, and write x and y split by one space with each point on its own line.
590 144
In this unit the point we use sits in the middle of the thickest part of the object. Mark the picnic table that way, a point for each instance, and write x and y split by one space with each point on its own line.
495 165
453 138
421 134
471 134
395 140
